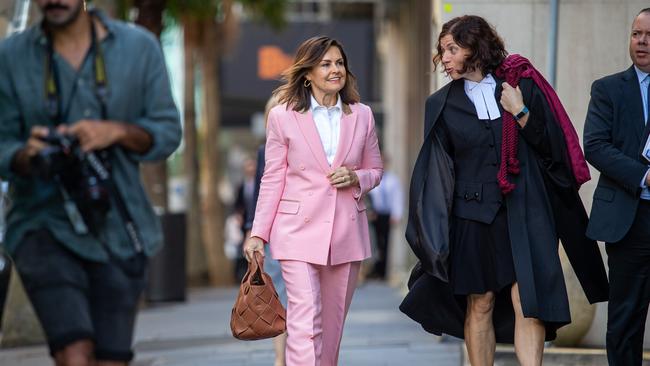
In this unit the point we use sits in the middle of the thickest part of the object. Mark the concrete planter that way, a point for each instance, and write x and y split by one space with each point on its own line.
20 326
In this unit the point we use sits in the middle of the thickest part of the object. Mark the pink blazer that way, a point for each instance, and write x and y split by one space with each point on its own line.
302 216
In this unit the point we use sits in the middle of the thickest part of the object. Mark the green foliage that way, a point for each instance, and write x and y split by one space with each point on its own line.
270 11
199 9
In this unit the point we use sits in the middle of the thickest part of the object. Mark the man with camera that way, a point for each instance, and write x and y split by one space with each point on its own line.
83 100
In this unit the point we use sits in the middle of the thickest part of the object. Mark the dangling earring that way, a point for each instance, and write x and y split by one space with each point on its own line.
85 6
306 83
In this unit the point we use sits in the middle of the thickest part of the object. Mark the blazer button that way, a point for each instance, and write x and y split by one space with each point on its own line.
302 167
353 217
310 193
487 126
307 219
466 196
355 167
476 194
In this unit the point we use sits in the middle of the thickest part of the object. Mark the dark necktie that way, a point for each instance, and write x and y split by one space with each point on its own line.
647 96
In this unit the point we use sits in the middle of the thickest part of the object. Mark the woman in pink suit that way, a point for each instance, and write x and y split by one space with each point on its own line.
321 158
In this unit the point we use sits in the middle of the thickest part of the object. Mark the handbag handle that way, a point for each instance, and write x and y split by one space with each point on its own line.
255 270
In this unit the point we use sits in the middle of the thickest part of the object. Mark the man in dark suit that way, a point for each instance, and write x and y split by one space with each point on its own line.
615 132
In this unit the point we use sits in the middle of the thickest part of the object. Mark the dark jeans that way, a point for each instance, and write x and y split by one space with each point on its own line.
629 291
76 299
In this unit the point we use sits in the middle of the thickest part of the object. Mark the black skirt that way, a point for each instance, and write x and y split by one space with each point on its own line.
480 255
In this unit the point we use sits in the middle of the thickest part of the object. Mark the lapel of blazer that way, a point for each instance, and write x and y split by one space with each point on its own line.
308 129
633 103
644 138
497 93
646 130
433 108
459 98
348 124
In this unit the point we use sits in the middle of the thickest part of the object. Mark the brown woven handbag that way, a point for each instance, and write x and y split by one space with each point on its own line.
258 312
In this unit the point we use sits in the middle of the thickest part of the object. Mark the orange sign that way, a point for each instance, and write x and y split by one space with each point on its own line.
271 62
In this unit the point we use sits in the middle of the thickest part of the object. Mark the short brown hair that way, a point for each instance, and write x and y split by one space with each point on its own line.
309 54
476 34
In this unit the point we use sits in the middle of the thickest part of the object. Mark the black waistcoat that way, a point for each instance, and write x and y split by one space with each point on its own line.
475 147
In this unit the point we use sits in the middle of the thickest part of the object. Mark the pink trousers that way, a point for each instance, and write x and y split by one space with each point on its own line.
318 301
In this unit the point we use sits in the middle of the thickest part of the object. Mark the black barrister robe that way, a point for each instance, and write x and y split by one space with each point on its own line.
543 207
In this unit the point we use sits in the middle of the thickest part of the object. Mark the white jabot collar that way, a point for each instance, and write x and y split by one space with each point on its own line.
482 96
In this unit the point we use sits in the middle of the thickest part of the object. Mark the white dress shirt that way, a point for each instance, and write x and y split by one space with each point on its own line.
644 80
482 96
328 123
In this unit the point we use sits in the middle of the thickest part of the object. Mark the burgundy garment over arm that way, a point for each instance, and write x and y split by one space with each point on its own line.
513 68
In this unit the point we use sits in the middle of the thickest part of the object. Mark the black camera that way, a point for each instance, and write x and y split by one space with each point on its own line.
83 175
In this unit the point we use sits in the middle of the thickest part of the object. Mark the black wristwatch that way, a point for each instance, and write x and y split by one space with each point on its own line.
521 114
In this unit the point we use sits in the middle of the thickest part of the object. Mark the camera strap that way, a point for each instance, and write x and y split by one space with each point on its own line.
71 210
57 113
129 224
53 101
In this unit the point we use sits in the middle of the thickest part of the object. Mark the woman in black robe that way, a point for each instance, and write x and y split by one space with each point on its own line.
488 202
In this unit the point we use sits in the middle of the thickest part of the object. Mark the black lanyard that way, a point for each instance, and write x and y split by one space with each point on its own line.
54 105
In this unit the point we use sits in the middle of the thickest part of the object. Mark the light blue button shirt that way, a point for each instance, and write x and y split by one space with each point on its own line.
644 80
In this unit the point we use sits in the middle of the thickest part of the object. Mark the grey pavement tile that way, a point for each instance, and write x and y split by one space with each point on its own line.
197 333
24 356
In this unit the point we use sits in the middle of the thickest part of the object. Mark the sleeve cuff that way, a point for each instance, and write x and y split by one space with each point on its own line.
264 237
356 193
165 138
643 180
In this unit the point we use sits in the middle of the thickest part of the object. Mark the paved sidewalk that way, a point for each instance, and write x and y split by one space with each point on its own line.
197 333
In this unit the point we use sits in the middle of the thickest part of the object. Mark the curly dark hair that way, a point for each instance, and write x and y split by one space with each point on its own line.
309 55
472 32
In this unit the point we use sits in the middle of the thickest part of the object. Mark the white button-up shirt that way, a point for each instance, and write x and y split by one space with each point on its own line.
328 123
482 96
388 197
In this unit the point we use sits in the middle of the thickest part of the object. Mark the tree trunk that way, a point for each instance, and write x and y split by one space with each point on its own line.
196 261
150 14
213 219
154 175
